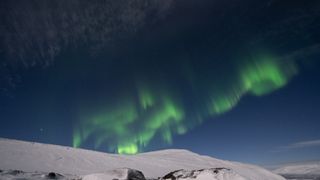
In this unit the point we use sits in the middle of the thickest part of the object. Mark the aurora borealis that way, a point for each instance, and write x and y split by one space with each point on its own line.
161 112
133 76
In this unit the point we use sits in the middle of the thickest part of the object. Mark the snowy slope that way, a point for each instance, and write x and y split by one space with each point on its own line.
31 157
304 168
122 173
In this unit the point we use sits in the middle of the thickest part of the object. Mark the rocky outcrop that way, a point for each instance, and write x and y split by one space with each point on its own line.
201 174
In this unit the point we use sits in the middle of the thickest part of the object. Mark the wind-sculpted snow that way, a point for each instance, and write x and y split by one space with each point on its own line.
31 157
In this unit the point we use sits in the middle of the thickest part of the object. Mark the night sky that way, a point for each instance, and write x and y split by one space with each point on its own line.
236 79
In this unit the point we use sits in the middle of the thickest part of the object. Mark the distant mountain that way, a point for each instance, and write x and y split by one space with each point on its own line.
19 159
302 170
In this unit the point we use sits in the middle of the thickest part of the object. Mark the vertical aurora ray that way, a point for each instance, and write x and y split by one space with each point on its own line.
76 139
152 111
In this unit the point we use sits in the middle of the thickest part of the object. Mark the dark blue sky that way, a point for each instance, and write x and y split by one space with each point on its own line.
256 129
237 80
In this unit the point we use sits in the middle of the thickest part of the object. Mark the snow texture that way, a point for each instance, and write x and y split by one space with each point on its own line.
67 161
122 173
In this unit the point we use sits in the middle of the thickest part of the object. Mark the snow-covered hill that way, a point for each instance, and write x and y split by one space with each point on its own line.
37 157
302 170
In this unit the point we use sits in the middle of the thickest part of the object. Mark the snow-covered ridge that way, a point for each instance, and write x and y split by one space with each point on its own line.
31 157
300 168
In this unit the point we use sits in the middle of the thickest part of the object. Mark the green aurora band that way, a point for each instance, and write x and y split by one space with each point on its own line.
131 123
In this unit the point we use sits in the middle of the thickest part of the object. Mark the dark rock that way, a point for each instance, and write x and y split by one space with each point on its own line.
216 170
184 174
135 175
171 175
53 175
